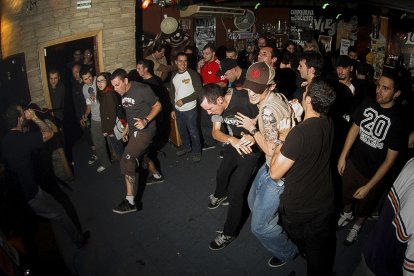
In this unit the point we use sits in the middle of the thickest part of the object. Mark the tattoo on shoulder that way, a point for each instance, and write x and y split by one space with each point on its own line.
269 125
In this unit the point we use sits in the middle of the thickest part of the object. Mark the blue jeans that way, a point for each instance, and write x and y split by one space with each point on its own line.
187 123
264 202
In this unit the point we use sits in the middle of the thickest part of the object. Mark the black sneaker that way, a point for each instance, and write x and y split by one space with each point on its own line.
275 262
182 152
92 159
215 201
225 202
352 237
196 158
344 219
152 180
124 208
207 147
221 241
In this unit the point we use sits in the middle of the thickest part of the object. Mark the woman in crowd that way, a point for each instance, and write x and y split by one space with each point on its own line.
110 111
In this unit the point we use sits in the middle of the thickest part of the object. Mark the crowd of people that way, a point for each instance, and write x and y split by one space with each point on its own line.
312 140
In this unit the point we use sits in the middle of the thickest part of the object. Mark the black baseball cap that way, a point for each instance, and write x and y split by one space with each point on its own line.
225 65
344 61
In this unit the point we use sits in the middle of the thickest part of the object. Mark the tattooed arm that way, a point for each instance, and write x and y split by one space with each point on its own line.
46 131
266 140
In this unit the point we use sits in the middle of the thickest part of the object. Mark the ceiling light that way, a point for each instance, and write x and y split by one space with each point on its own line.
145 4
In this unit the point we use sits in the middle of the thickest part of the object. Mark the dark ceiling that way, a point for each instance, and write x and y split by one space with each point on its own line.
394 8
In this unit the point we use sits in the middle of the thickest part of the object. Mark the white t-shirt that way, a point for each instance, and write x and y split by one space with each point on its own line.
89 92
183 88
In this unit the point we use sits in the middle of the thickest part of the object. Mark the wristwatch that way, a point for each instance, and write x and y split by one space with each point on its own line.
146 121
253 131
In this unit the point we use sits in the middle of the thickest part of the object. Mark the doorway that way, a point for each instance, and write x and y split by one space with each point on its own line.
57 54
61 57
54 54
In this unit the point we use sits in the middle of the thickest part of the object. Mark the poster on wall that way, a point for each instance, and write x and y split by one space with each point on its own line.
347 30
185 24
378 44
301 25
205 32
345 43
326 41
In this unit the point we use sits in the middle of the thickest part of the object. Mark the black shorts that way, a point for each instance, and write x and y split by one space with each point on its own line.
352 180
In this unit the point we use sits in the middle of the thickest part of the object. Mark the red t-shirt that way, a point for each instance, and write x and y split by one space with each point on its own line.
208 72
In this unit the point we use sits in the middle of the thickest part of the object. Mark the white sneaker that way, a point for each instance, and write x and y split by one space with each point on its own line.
92 159
344 219
100 169
352 237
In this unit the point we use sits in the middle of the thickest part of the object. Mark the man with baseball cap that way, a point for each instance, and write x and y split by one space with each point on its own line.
347 99
232 72
264 194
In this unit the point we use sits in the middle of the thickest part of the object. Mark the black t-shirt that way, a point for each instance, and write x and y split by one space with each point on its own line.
365 88
17 148
308 184
240 81
380 129
161 92
78 99
286 82
239 102
343 105
137 102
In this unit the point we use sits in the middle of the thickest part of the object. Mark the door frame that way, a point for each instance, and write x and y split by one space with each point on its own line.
98 52
98 45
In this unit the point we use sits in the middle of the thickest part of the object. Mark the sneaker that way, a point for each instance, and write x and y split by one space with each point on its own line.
352 237
275 262
225 202
344 219
207 146
100 169
215 201
152 180
182 152
221 241
374 216
92 159
125 207
196 158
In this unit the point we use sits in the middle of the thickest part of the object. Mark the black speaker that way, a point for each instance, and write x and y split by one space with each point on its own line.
14 87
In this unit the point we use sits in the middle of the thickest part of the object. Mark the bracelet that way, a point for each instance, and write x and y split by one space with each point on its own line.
279 142
146 120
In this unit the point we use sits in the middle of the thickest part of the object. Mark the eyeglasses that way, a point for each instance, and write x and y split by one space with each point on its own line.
100 81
